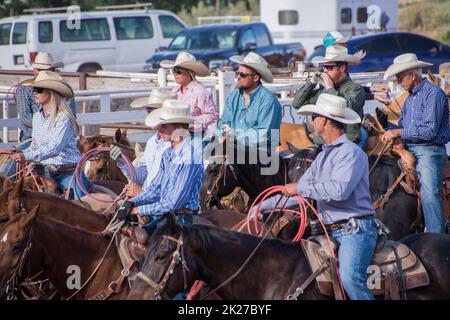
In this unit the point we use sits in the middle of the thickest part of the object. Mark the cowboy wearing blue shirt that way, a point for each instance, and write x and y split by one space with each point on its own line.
424 127
251 111
338 180
177 184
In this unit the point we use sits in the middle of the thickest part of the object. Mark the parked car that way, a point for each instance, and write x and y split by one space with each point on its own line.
109 40
214 44
382 48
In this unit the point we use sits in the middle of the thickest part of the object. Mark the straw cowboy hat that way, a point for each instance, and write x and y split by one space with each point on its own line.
257 63
154 100
45 61
335 37
338 54
402 63
188 61
172 111
52 81
333 107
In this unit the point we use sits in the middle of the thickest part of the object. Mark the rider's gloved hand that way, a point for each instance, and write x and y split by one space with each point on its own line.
124 210
115 153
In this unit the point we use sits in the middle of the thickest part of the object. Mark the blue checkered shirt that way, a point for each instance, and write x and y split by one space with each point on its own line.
177 183
53 146
424 116
27 106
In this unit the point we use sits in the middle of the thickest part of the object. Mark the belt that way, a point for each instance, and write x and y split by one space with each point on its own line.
65 169
339 224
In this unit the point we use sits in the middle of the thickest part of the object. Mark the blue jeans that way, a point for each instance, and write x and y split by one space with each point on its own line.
429 169
363 137
64 179
357 246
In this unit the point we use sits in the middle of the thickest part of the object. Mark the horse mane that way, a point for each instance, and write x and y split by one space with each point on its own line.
72 228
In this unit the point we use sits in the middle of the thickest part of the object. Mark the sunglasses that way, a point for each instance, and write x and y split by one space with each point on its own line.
244 75
314 116
330 66
178 70
38 90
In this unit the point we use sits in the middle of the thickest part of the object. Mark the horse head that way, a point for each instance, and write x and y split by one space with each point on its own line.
11 199
300 161
165 270
15 243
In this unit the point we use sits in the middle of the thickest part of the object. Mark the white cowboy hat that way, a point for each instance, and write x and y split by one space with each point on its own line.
172 111
402 63
333 107
45 61
52 81
257 63
154 100
335 37
188 61
338 53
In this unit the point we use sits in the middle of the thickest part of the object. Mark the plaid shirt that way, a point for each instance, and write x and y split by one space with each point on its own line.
203 108
424 116
27 106
53 146
177 184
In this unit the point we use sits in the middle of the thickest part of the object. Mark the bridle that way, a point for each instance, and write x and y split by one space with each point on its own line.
177 257
212 194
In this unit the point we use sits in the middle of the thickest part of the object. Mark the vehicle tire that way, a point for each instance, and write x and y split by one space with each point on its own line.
89 67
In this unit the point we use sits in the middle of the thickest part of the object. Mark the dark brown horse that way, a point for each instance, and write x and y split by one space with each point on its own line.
213 255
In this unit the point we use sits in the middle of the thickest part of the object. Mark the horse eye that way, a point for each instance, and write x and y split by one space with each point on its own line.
17 248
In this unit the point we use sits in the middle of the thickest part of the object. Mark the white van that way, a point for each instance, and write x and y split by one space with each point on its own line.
108 40
307 21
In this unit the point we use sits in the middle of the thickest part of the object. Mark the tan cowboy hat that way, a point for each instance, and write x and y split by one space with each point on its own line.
337 54
333 107
257 63
402 63
154 100
335 37
52 81
188 61
172 111
45 61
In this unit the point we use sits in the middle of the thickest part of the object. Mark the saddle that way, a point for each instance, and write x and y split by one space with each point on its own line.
400 269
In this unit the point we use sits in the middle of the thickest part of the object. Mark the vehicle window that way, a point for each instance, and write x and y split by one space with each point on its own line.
170 26
90 30
384 44
45 31
361 15
248 37
205 39
361 46
262 35
288 17
131 28
20 33
411 43
5 33
346 15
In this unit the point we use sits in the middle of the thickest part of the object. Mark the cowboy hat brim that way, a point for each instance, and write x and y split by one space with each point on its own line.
397 68
265 73
42 66
350 59
143 103
62 88
350 116
154 120
199 68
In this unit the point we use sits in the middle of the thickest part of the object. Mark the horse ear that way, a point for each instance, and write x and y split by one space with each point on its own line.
18 189
28 219
7 183
291 148
83 144
118 135
125 133
170 222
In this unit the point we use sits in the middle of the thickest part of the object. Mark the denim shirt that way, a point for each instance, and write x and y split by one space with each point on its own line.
252 124
339 180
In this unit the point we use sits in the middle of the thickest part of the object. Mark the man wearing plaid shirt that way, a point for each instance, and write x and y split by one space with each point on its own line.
424 126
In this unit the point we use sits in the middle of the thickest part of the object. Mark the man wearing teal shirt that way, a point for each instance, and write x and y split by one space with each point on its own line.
251 112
